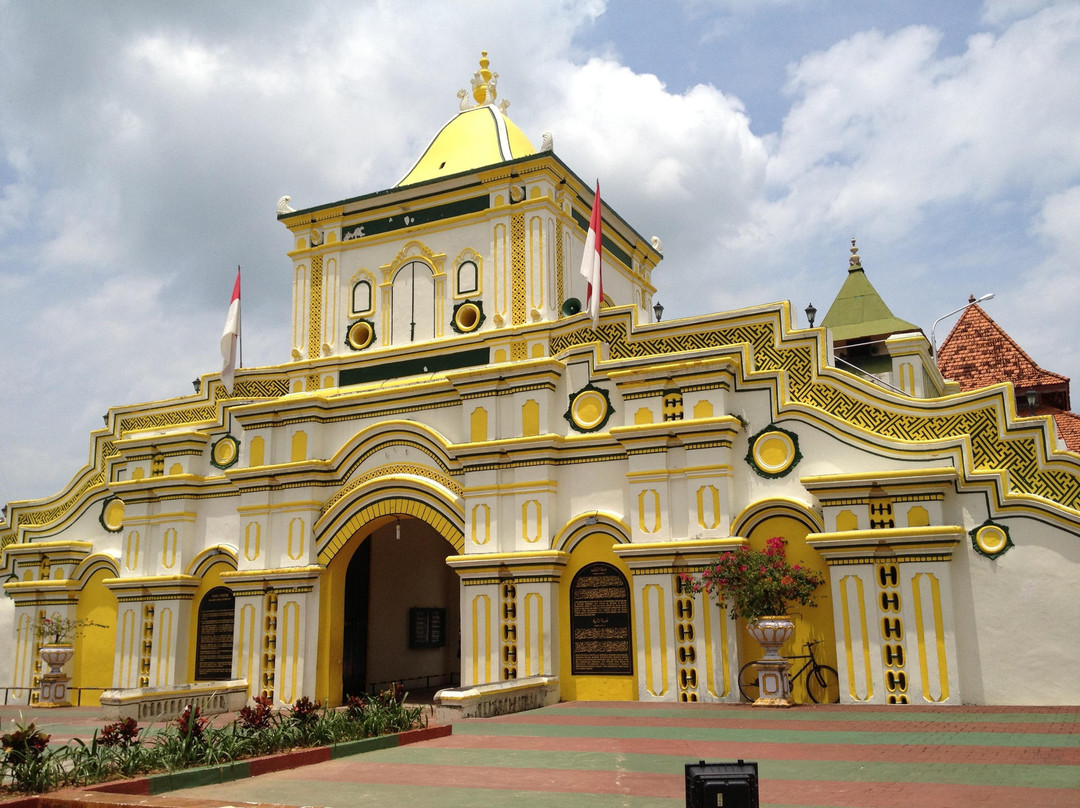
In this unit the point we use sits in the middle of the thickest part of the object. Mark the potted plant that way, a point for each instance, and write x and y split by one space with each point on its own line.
57 634
760 586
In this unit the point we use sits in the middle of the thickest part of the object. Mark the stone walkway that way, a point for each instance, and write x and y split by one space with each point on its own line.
594 754
633 754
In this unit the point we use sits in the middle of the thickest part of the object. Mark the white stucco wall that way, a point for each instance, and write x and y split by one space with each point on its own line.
1018 642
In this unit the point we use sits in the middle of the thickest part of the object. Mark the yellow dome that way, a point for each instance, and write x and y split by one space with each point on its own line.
477 136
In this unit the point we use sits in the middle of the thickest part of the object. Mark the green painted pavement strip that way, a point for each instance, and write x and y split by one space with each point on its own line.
361 795
833 714
986 774
872 736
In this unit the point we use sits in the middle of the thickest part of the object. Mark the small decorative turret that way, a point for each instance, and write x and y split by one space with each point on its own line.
854 262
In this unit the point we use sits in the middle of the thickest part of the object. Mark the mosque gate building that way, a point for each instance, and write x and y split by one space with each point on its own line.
455 478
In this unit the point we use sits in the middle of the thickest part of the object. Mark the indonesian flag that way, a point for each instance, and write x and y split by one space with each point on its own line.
230 336
591 260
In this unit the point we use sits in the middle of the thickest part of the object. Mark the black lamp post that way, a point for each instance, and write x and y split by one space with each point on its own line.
1032 397
658 311
811 313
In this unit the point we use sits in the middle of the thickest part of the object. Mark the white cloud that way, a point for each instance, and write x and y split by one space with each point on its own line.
1001 12
1045 300
672 147
18 195
882 127
187 66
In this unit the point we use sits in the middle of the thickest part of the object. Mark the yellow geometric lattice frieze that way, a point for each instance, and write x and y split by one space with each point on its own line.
987 448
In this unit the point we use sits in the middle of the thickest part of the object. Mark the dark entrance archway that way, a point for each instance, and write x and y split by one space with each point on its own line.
354 647
400 611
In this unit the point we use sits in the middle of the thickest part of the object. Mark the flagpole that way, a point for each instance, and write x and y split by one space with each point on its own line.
592 261
240 329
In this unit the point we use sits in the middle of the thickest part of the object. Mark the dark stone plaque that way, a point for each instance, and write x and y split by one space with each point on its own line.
213 654
600 633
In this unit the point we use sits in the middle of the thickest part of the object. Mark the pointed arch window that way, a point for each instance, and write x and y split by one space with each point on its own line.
413 302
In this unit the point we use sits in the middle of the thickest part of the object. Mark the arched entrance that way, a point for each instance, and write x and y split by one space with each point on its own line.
390 604
792 522
400 613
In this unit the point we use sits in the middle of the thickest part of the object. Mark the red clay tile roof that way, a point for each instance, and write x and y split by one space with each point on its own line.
978 353
1068 428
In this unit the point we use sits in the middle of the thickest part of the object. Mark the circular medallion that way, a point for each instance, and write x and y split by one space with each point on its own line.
225 452
991 540
468 316
774 452
360 335
112 514
589 410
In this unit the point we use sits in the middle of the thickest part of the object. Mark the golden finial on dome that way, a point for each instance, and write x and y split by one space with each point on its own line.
483 86
854 262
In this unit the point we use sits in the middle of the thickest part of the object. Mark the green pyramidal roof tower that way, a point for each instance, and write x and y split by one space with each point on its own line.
858 312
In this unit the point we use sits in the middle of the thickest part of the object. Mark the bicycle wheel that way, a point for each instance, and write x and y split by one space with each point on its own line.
748 682
823 685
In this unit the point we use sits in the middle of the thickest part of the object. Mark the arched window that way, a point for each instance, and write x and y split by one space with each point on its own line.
361 297
468 278
413 304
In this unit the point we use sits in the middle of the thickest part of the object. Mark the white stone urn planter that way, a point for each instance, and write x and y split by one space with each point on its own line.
53 689
774 686
56 655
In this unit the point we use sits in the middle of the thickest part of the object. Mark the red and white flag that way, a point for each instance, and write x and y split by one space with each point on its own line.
591 260
230 336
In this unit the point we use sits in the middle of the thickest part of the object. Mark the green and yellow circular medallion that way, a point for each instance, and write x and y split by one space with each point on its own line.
360 335
990 539
112 514
589 409
225 452
774 451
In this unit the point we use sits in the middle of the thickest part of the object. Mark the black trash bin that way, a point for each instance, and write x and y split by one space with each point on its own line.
722 785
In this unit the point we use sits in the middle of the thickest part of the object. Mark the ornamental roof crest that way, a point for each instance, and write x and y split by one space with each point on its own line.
483 88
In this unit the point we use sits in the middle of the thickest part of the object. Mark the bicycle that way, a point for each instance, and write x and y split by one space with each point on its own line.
822 681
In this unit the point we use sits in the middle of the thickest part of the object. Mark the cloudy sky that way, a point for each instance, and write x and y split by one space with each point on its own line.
143 147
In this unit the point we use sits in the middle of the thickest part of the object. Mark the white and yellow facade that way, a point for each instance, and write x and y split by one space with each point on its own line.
451 458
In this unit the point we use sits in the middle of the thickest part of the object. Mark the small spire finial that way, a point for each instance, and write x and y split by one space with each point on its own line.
483 84
854 262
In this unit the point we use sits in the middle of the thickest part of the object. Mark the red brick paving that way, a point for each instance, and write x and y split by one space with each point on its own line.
898 735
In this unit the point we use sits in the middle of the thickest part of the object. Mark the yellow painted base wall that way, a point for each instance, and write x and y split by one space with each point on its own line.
811 622
92 665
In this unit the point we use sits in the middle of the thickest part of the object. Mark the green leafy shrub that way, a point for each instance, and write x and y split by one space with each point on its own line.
26 764
123 749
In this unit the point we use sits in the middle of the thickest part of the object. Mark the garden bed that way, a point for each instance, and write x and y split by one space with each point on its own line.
124 759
